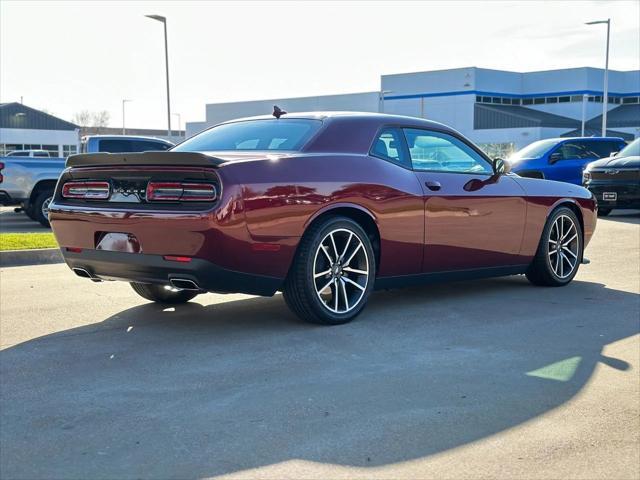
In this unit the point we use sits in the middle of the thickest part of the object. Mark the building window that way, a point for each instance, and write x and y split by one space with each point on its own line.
629 100
564 99
486 99
527 101
52 149
551 100
538 101
69 150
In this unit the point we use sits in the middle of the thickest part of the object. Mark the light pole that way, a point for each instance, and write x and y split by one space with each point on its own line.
162 19
179 121
585 97
382 93
124 100
605 94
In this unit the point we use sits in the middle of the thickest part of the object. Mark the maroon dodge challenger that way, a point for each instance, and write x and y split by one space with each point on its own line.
324 207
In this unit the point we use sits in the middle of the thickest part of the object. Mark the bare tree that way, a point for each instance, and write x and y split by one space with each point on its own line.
82 118
100 120
96 120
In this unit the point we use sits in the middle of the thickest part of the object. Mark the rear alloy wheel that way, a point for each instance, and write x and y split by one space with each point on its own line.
560 251
163 293
333 273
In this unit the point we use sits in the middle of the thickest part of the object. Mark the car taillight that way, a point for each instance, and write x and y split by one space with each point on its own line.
87 190
180 191
1 167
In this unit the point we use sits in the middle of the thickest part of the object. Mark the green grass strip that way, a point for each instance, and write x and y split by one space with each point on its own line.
27 241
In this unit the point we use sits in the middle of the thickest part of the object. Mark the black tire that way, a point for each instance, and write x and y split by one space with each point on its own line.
603 212
541 272
301 291
160 294
36 208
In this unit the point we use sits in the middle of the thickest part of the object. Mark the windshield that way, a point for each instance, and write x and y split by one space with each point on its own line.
631 150
277 135
533 150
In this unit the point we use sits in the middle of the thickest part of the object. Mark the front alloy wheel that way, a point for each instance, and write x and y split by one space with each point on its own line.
563 244
332 274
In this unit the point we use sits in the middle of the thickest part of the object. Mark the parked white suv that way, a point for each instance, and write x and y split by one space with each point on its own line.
29 153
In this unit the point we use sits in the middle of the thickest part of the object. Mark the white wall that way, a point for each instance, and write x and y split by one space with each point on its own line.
356 102
44 137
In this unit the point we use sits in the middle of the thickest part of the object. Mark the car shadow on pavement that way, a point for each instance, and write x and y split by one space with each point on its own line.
624 216
197 391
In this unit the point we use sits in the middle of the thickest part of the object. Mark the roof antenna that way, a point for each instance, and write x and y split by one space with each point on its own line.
277 111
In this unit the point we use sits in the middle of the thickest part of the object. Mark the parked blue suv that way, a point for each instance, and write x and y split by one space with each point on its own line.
562 159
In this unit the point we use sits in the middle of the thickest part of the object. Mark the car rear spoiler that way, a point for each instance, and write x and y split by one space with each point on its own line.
144 158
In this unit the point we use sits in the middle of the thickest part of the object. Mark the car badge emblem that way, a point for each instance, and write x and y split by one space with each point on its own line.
612 171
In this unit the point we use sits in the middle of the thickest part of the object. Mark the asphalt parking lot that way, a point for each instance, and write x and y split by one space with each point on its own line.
18 222
483 379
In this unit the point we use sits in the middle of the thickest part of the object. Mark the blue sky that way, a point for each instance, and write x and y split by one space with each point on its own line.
65 57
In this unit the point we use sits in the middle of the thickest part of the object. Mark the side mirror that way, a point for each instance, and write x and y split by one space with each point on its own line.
555 157
613 154
500 166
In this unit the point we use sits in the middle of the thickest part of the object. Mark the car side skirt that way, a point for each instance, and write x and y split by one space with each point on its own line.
383 283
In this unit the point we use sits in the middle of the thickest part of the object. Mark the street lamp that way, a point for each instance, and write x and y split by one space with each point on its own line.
585 97
179 121
124 100
605 94
162 19
382 94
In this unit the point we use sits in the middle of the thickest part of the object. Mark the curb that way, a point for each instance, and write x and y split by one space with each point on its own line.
17 258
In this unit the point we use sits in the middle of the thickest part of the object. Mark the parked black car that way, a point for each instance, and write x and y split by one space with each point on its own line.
615 181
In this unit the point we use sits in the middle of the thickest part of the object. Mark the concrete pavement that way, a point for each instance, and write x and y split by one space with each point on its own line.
484 379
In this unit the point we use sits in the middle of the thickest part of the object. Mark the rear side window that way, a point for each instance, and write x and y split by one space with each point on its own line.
388 145
277 134
604 148
587 149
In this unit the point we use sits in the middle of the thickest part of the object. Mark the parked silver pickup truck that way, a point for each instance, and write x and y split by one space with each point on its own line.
29 182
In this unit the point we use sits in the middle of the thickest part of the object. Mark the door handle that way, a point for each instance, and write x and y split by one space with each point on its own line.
433 185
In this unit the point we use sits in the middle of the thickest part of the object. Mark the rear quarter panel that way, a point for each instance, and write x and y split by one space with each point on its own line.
283 196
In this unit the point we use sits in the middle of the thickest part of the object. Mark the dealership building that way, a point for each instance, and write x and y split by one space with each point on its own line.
25 128
500 110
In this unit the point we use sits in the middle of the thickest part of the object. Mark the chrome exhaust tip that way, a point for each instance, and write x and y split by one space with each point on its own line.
84 273
81 272
184 284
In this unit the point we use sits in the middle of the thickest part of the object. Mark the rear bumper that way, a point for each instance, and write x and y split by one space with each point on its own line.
628 194
143 268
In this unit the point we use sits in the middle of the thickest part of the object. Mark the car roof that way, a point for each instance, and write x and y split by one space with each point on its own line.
577 139
382 118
